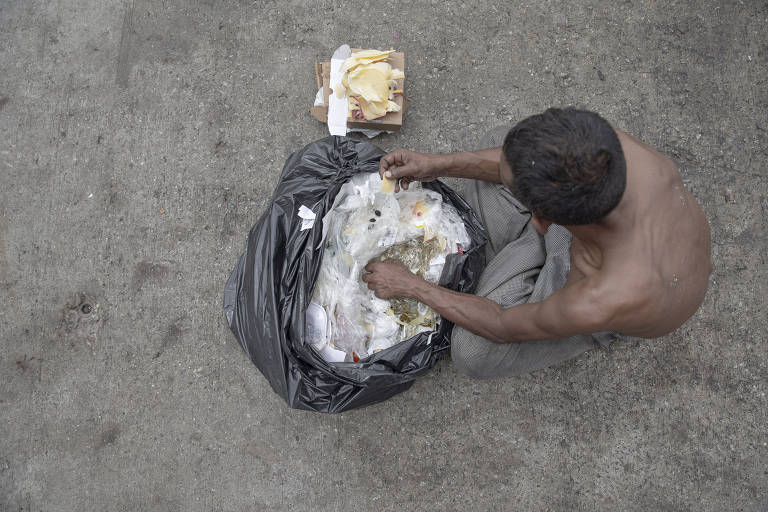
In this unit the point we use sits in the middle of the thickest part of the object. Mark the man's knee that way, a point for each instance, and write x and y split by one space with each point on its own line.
469 366
479 358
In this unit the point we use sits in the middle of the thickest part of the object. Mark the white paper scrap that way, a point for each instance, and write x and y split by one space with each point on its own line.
338 107
319 99
307 217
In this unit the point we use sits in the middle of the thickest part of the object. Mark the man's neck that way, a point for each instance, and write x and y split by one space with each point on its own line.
608 230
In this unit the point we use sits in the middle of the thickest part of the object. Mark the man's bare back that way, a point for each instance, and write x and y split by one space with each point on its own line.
651 255
640 270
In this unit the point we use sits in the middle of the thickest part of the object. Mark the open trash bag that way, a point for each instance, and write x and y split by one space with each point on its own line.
271 287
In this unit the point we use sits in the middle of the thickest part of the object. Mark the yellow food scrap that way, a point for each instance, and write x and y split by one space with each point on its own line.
387 185
392 106
373 109
364 57
420 208
409 321
382 67
371 82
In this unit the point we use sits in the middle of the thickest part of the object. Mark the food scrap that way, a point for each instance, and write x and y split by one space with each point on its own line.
387 185
370 84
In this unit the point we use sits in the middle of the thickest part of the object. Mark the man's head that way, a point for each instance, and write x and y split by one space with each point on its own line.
567 166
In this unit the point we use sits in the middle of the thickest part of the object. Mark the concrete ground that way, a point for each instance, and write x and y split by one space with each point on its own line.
140 140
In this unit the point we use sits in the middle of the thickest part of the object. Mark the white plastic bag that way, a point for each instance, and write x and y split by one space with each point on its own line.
362 225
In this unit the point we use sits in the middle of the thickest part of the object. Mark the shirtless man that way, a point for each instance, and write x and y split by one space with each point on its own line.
640 251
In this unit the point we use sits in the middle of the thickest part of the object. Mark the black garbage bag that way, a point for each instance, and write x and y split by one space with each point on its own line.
272 284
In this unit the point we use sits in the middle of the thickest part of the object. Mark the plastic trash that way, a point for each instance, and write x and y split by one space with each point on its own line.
316 327
268 295
367 224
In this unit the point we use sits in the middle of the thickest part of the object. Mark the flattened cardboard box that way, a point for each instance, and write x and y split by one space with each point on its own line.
392 121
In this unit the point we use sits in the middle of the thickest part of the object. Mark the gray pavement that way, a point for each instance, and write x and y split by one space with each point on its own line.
140 140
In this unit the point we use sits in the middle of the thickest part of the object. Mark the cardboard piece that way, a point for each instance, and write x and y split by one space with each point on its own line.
390 122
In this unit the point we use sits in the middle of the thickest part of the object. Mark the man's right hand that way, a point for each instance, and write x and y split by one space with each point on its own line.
405 166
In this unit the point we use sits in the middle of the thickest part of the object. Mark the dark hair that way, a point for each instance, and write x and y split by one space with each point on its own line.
568 165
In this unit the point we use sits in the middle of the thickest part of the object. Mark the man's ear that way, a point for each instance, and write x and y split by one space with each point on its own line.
541 225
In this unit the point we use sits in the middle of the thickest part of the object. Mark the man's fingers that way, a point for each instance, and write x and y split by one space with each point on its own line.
396 167
386 162
402 183
395 172
391 161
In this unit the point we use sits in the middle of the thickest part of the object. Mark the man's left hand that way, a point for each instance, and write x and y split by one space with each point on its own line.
390 279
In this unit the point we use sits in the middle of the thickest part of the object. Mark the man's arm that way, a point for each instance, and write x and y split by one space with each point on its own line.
477 165
567 312
407 166
562 314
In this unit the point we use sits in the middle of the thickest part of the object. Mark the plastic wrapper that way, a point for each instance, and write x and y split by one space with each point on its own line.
270 289
366 224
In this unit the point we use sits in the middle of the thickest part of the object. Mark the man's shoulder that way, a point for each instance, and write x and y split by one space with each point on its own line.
612 296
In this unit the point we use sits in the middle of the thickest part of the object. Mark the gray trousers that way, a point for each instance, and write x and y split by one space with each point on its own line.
522 266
